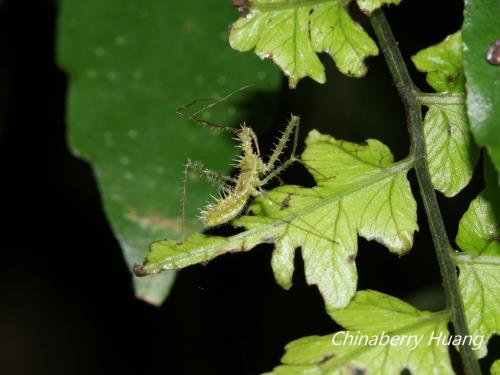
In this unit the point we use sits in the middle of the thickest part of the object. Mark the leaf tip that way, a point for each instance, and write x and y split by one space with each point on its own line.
406 241
139 271
148 299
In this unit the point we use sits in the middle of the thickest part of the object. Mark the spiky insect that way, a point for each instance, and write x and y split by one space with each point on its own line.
253 173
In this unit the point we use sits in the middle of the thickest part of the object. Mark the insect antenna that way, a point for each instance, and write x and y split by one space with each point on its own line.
183 199
194 116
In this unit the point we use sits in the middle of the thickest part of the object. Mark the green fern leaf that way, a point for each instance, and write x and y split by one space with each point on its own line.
495 368
479 238
452 153
290 33
360 190
368 6
375 319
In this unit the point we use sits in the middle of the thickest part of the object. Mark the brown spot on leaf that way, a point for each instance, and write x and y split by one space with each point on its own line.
139 271
493 53
448 129
188 26
269 56
242 6
239 3
358 371
237 250
351 258
494 238
326 358
285 203
269 240
154 221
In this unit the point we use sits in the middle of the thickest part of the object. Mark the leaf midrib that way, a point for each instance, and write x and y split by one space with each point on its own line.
471 259
271 7
238 239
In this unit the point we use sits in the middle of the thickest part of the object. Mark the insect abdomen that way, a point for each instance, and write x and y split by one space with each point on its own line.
224 210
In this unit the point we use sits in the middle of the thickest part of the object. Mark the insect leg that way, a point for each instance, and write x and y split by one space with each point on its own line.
276 172
221 181
213 177
292 126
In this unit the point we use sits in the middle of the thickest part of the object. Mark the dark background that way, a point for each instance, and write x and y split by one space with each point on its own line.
66 303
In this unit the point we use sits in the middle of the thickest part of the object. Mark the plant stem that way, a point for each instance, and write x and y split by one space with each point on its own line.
442 246
440 98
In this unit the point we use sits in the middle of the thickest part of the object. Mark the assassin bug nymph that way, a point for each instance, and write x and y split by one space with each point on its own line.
253 173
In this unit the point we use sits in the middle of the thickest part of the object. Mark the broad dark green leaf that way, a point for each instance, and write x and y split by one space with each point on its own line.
480 32
479 262
130 65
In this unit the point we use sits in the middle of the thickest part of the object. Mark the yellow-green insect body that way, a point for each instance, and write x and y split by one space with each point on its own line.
253 174
247 183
